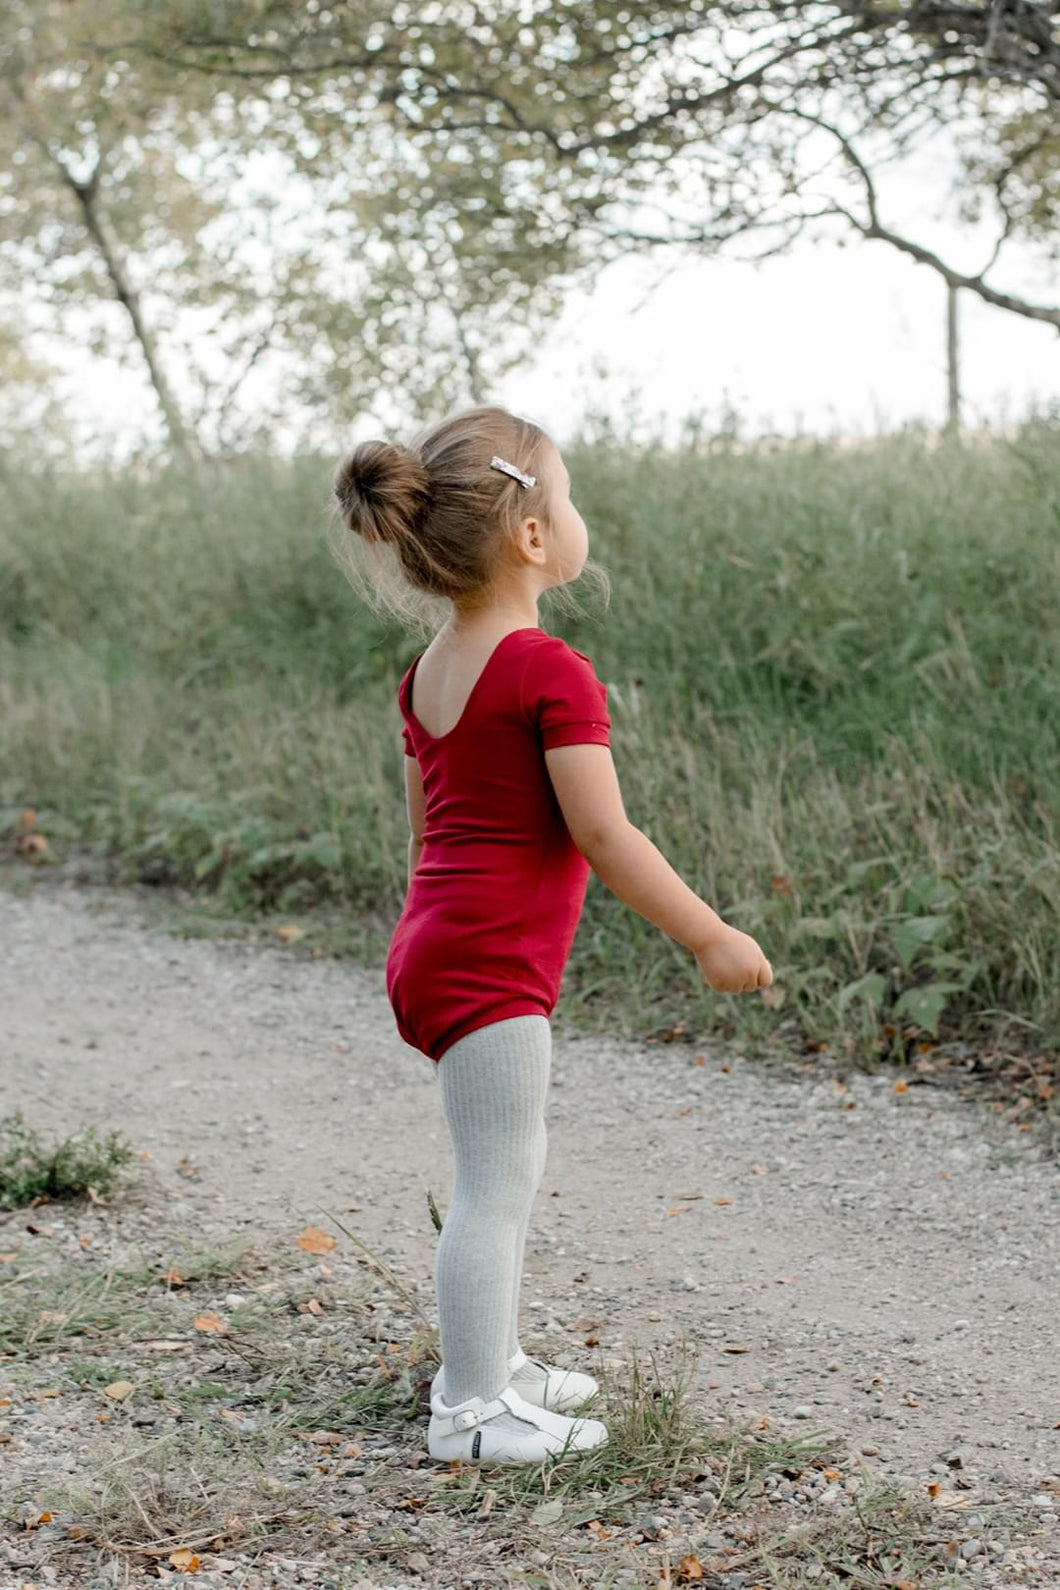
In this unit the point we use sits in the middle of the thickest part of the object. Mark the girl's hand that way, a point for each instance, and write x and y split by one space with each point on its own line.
732 963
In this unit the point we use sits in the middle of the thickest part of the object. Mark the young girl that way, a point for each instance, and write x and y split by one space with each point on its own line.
512 797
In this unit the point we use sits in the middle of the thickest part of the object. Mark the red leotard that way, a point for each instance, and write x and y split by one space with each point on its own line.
494 902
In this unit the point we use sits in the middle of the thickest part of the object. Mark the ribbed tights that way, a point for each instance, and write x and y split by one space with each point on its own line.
494 1083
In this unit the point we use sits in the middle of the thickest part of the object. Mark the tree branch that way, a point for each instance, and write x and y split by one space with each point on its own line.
875 229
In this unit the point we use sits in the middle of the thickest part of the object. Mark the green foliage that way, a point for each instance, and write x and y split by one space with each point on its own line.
246 234
548 140
294 217
29 1170
833 679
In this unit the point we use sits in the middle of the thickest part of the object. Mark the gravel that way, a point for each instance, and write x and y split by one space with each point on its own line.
843 1258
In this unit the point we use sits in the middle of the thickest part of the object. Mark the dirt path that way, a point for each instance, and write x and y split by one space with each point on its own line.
891 1268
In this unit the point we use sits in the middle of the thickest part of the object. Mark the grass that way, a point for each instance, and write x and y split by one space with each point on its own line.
81 1165
300 1432
834 685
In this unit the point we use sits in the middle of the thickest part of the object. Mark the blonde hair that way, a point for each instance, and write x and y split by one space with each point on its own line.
426 524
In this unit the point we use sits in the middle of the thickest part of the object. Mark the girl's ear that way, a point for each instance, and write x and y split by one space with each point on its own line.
529 537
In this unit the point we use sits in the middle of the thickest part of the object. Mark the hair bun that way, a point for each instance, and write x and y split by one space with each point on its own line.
383 491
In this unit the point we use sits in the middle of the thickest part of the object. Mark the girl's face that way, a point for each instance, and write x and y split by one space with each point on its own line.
569 539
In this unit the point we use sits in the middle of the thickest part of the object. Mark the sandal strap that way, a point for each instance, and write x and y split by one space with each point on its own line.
467 1418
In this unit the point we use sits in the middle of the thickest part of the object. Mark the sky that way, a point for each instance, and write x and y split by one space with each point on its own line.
825 339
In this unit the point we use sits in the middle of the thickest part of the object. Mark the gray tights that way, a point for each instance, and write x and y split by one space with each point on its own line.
493 1083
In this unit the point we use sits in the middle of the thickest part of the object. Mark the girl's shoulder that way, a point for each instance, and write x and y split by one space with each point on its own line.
552 645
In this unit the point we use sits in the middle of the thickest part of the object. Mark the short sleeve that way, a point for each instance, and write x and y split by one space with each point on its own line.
406 735
563 697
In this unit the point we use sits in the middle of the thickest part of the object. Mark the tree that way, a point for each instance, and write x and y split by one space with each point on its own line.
207 233
384 202
694 125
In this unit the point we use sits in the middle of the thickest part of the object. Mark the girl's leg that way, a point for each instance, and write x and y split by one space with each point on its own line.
514 1344
493 1084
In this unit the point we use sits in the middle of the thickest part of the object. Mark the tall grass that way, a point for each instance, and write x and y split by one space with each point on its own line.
834 689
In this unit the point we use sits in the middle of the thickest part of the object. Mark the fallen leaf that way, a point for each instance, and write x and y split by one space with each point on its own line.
290 933
119 1390
901 1087
185 1559
210 1322
723 1200
760 1170
313 1240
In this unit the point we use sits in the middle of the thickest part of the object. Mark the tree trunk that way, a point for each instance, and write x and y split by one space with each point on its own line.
953 384
85 192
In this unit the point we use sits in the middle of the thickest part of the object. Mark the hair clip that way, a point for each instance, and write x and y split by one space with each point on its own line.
510 469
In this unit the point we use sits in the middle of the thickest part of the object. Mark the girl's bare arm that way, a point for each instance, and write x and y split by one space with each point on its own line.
620 854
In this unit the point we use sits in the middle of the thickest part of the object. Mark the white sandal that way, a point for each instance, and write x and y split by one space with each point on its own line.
561 1389
463 1432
